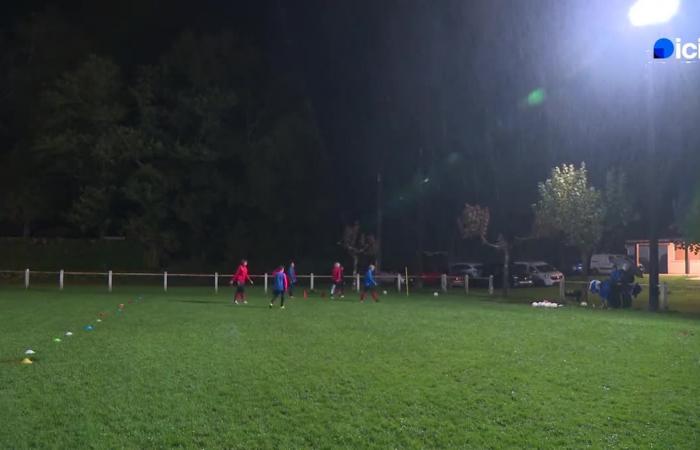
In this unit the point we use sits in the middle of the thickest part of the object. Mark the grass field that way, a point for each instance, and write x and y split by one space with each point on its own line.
187 369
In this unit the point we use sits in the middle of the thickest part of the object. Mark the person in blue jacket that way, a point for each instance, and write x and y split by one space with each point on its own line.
292 278
370 285
280 284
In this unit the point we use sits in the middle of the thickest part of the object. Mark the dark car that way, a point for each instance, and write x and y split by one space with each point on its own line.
518 274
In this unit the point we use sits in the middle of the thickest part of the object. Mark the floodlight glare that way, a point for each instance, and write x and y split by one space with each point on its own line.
653 12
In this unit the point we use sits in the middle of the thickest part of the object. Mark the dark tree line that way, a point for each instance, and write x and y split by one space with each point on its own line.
207 145
206 155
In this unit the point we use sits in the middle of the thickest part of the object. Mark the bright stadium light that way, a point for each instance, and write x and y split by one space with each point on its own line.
641 14
653 12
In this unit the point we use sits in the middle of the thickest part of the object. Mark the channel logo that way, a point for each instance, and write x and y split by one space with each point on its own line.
665 48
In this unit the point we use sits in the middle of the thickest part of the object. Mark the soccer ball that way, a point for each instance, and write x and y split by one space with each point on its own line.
435 294
584 304
384 292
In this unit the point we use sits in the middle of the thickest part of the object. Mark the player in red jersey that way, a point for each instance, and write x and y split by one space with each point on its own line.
239 279
337 280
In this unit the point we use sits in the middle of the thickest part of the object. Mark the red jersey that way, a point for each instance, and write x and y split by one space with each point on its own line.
241 275
337 274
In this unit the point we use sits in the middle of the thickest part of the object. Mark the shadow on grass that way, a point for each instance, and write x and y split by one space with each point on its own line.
226 304
203 302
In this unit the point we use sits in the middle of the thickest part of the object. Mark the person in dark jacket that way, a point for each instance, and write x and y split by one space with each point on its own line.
615 297
280 284
627 285
292 278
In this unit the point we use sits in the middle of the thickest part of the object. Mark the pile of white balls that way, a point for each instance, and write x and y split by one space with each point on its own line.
546 304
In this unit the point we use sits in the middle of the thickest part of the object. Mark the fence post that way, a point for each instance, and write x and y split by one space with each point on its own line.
60 280
357 282
265 277
109 281
562 289
165 281
311 282
490 284
216 281
26 279
663 296
443 282
398 283
466 284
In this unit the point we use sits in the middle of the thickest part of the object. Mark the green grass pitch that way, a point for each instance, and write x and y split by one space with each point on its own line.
187 369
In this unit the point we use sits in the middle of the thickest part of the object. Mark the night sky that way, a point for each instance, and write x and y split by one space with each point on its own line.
439 90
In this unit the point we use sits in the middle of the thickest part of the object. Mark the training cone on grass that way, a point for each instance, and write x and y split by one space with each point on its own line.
57 340
68 333
30 352
88 328
26 361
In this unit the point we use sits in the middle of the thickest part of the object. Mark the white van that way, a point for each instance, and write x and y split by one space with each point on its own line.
604 263
542 273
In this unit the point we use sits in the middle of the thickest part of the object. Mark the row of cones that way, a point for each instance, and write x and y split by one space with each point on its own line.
101 315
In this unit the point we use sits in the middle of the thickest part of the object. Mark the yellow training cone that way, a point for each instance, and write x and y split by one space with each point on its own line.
27 361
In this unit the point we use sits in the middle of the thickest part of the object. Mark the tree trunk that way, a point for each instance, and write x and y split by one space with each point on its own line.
506 270
152 257
586 261
380 214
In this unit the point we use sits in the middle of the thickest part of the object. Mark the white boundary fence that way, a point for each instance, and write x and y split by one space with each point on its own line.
398 280
355 280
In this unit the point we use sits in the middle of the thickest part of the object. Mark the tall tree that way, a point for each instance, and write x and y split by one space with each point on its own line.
38 49
569 209
619 210
357 244
474 222
82 140
690 221
213 110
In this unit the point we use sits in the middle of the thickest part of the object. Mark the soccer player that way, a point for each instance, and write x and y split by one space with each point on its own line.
280 285
337 280
292 277
370 285
240 278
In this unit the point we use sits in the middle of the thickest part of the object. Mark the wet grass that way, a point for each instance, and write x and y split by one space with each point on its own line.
187 369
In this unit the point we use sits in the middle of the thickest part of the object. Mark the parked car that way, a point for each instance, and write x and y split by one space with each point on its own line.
604 263
518 273
459 270
430 278
433 267
543 274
